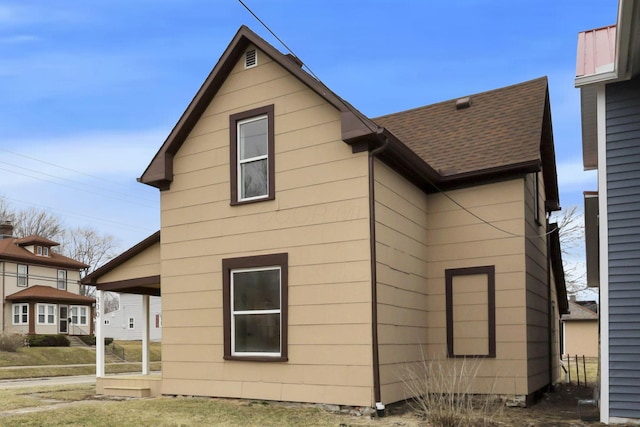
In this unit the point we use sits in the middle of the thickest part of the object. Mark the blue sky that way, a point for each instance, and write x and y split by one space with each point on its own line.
90 89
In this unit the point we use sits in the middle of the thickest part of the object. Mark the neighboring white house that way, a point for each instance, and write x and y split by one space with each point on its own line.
126 322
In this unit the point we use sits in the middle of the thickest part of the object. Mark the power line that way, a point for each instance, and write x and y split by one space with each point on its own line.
363 122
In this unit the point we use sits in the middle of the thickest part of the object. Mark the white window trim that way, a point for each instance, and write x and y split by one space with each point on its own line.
46 314
24 275
252 312
61 280
19 306
251 159
77 309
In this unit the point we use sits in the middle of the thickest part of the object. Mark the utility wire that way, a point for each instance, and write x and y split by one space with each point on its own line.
444 193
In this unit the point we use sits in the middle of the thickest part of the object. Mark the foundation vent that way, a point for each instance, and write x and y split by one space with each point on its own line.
250 58
463 103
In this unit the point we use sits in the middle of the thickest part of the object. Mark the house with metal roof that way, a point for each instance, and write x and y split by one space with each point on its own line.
608 76
310 253
41 288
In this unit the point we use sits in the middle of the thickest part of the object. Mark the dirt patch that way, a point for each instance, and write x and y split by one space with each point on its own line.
557 409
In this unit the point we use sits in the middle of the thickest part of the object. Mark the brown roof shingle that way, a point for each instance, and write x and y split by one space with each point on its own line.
501 127
48 294
10 249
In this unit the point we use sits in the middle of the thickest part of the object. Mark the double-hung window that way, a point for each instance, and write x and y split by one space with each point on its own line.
23 274
79 315
255 307
20 314
62 280
46 314
252 155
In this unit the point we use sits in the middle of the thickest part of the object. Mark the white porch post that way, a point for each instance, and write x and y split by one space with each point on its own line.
99 337
145 334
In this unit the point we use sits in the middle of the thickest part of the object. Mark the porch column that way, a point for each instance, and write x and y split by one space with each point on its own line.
32 318
145 334
99 336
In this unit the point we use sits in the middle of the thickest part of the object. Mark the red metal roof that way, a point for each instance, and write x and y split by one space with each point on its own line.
596 49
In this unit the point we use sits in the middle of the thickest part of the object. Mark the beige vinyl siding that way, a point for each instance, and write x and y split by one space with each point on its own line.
401 251
557 374
537 297
457 239
144 264
319 217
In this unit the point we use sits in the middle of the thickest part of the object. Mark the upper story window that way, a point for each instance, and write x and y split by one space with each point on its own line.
42 251
131 323
23 275
252 156
62 280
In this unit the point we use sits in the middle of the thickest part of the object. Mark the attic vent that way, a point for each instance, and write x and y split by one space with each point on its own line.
250 58
463 103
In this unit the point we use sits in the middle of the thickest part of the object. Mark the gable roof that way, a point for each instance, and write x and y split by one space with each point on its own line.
149 285
39 293
579 312
159 173
12 249
413 139
502 130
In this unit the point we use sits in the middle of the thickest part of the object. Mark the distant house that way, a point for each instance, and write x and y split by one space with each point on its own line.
608 75
309 253
580 329
41 288
125 322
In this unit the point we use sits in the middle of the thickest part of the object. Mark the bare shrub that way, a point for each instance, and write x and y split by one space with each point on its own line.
442 393
11 342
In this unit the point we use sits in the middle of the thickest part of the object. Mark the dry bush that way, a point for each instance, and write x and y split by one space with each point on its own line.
11 342
442 393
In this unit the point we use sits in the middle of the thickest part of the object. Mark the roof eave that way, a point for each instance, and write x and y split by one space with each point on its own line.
91 279
159 173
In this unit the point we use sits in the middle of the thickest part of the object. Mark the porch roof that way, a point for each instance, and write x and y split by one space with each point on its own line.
39 293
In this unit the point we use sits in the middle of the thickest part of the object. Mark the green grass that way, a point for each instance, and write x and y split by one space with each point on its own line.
40 359
36 356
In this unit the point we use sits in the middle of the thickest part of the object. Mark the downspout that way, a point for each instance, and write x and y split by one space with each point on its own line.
549 308
374 279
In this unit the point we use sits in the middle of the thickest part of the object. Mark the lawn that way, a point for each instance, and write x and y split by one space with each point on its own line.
40 359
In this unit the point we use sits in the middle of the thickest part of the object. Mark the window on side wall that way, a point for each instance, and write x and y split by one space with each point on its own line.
20 314
471 312
255 298
23 275
62 280
536 200
131 323
46 314
252 156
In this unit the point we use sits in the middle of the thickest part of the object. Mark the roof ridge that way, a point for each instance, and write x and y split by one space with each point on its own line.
500 89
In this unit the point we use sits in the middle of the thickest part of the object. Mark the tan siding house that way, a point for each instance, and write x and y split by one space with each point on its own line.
580 330
309 253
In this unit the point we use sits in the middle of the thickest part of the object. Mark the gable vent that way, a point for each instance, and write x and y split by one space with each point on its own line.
250 58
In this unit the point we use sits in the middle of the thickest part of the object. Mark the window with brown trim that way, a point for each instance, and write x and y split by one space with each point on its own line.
252 155
471 312
255 306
